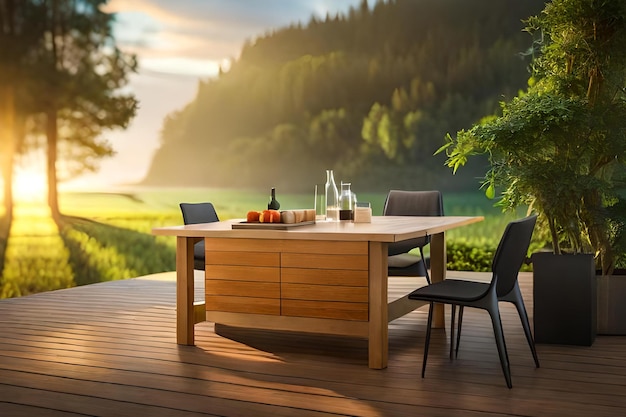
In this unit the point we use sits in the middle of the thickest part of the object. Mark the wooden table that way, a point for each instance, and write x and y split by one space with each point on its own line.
329 277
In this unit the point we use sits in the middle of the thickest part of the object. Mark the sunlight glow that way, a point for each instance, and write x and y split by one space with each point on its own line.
184 66
29 185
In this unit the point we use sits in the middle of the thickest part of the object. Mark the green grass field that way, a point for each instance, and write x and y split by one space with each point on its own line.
107 236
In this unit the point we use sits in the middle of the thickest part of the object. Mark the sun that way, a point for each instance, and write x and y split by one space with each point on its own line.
29 185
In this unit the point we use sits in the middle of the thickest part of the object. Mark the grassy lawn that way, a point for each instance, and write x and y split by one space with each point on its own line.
107 236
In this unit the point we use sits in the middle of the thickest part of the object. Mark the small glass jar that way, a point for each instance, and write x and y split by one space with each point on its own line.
347 201
363 213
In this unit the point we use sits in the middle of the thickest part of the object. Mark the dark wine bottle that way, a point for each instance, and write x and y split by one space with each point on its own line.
273 204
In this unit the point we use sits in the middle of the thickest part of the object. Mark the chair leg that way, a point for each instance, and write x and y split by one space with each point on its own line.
523 316
458 332
199 263
496 322
452 315
425 266
427 342
515 297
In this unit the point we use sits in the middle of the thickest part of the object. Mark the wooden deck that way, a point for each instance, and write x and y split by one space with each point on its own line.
109 350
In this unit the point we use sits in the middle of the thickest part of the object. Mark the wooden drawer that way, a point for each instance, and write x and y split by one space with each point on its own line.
325 247
324 261
285 246
287 277
242 245
325 309
242 258
251 305
325 285
324 293
347 277
243 288
242 273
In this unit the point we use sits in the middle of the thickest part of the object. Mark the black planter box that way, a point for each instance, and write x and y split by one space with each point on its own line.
612 303
564 299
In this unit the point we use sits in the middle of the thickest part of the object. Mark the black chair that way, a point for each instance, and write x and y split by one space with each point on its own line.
194 213
411 203
507 261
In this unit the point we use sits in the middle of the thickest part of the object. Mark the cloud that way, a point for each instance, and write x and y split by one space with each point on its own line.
207 30
177 43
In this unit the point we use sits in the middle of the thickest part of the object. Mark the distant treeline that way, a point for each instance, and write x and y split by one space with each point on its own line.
370 94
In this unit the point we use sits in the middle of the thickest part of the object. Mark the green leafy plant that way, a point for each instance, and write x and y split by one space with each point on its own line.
559 146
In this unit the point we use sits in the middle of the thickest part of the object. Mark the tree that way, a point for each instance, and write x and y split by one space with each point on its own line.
18 35
560 146
80 71
426 78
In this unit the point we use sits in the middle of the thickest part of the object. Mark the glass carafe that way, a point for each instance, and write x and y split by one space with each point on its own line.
331 197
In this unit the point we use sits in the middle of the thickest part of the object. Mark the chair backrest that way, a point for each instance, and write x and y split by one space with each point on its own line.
412 203
194 213
511 252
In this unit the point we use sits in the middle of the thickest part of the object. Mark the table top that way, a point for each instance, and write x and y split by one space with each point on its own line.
381 229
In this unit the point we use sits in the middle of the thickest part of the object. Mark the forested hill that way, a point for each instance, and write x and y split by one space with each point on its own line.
370 94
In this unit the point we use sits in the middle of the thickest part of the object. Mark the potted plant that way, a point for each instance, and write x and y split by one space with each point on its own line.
559 148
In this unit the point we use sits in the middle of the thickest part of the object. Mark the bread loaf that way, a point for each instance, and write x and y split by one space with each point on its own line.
288 216
297 216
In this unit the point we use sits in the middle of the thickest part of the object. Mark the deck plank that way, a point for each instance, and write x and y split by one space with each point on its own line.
110 349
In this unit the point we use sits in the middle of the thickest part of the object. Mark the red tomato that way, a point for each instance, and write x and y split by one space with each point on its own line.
253 216
275 216
270 216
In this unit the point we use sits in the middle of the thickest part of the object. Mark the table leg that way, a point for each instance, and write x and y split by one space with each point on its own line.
438 261
185 318
378 338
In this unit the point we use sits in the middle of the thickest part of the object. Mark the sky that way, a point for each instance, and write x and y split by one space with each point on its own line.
178 43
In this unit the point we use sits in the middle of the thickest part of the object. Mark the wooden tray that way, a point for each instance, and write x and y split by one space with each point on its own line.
269 226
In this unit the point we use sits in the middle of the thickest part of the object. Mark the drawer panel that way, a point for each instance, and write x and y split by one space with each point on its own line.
348 277
242 273
285 245
315 279
242 245
243 305
318 246
324 293
323 261
242 288
328 310
242 258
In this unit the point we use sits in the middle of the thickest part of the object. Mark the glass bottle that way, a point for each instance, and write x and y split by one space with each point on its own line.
346 202
273 204
331 196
